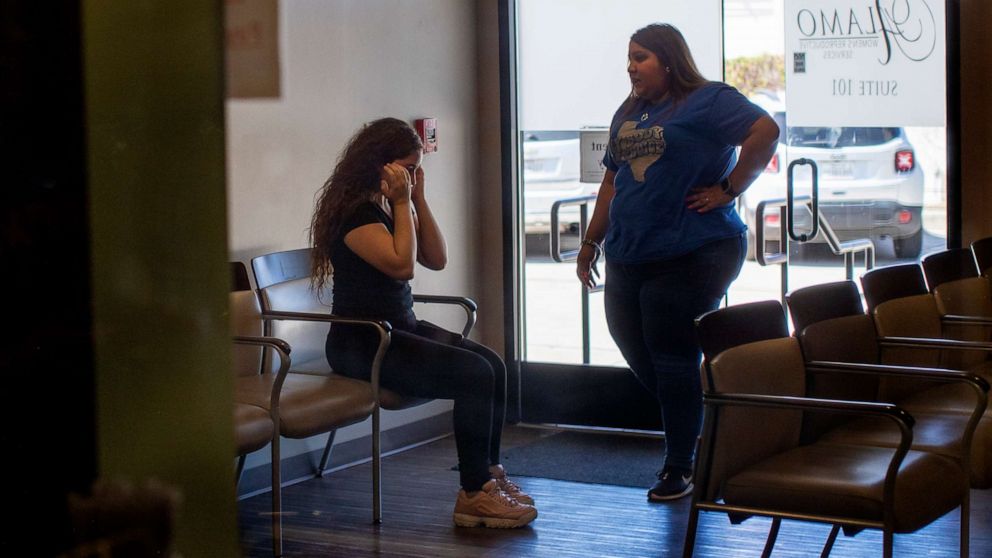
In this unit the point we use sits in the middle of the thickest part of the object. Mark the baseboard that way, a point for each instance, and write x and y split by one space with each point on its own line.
346 454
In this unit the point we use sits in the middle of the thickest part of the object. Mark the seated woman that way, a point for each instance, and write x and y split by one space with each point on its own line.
371 223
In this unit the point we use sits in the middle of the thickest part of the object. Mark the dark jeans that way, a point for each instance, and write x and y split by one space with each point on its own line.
434 363
650 310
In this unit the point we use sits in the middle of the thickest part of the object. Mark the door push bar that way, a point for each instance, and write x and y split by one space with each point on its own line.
814 202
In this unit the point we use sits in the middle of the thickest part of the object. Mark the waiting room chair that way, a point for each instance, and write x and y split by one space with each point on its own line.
752 460
948 265
965 307
823 302
252 425
735 325
894 281
854 338
300 406
292 310
239 277
946 432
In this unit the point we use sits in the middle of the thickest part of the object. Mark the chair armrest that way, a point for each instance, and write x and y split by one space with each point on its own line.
934 343
320 317
278 344
941 374
281 348
974 381
956 319
902 419
382 327
467 304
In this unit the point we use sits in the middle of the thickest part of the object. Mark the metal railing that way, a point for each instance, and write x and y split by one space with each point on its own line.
819 225
570 256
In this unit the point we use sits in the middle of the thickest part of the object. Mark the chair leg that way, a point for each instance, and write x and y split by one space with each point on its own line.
831 539
966 523
276 498
327 453
240 469
690 533
376 469
887 543
772 535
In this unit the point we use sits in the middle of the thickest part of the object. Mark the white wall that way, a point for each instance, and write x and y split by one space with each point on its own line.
344 63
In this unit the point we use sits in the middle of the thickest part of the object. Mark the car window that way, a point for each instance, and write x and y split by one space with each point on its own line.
550 135
807 136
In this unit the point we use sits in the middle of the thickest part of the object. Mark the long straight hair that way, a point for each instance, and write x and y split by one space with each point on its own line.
355 180
668 44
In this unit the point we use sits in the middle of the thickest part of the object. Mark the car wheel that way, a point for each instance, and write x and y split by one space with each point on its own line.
910 246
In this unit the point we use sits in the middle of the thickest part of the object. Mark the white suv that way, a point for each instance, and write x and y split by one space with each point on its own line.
870 184
551 173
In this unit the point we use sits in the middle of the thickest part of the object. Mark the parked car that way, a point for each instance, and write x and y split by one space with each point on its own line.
551 173
870 184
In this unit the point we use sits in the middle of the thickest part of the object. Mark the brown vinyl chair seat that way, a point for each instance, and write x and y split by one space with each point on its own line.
388 399
847 481
252 428
939 433
307 404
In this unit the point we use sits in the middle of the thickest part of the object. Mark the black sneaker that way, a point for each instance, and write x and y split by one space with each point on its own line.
672 484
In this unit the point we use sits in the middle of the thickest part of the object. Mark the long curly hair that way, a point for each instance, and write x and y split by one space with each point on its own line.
668 44
355 180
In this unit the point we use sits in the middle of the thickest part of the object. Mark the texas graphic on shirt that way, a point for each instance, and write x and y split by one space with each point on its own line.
639 147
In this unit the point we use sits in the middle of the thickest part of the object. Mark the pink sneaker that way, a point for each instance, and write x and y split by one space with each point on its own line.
511 488
491 507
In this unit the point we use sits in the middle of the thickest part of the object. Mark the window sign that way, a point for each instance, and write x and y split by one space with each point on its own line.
865 62
592 149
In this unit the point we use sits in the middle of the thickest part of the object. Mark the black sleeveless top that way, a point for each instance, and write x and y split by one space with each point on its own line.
359 289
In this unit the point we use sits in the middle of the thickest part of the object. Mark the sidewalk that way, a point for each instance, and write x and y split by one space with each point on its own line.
553 328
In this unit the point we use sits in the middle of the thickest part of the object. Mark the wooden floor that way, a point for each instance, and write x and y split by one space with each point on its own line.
332 517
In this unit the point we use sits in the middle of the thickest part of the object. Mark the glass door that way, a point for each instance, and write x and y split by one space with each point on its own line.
860 93
570 78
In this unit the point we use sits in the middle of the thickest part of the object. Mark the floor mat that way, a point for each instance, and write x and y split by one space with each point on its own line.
594 458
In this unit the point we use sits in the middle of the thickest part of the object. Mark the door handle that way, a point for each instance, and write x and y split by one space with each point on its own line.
814 203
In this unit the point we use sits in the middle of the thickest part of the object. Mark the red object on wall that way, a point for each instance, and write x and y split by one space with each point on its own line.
427 130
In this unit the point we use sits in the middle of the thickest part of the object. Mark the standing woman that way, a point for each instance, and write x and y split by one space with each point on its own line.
673 239
371 225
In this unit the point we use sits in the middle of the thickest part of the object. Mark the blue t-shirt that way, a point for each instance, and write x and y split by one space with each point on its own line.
659 154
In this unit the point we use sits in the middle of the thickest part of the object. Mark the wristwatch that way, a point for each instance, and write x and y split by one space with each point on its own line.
728 187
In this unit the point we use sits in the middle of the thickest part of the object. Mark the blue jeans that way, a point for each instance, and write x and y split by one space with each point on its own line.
651 310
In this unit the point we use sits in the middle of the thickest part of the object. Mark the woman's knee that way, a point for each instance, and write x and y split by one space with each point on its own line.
480 372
